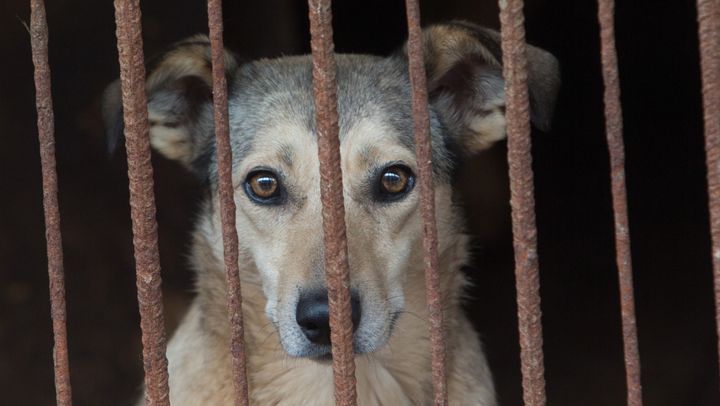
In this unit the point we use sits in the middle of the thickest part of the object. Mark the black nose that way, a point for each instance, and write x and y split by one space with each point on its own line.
312 315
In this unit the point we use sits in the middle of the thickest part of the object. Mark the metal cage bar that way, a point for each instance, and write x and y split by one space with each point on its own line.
522 201
142 200
423 152
709 35
614 133
331 193
46 137
227 202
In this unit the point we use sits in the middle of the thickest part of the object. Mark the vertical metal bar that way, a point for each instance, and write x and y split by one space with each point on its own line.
522 201
142 200
46 136
709 33
331 193
614 132
227 202
423 151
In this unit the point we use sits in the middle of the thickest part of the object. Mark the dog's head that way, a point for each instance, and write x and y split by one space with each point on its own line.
276 168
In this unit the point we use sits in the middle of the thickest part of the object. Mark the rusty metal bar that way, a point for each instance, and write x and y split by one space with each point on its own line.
423 151
709 33
227 203
46 136
142 200
614 132
331 193
522 201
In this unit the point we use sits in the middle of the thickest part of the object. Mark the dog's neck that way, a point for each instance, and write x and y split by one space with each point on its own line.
382 373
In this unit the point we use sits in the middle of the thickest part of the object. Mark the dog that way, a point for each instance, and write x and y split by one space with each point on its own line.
279 222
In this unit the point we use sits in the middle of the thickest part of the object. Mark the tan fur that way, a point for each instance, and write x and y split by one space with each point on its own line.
444 46
485 131
174 143
190 58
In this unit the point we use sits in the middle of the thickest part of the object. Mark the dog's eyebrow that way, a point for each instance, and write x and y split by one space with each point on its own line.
368 154
287 153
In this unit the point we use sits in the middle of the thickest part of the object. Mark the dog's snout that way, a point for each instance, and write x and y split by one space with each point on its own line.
313 316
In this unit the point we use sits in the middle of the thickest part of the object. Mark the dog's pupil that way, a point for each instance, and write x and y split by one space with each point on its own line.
265 185
393 181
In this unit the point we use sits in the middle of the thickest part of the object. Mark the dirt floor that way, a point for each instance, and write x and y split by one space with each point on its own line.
583 348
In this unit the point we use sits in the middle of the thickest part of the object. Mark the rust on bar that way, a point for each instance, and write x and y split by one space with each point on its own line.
423 151
331 193
614 132
522 201
227 203
709 33
46 136
142 200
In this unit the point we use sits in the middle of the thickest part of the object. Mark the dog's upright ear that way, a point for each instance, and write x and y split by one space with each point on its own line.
463 62
179 89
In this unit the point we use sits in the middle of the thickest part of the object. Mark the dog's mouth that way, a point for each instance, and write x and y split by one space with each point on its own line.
324 355
304 325
366 339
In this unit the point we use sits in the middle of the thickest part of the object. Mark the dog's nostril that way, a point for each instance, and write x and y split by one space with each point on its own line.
355 304
312 315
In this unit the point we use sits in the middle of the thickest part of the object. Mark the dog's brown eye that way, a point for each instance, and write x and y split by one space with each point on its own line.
263 187
395 182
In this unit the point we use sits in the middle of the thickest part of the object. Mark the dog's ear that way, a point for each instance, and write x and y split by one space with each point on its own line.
463 62
179 89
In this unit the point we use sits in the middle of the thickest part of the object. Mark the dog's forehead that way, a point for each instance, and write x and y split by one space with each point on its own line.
272 102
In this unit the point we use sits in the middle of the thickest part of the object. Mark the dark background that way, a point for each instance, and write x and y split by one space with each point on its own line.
583 351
